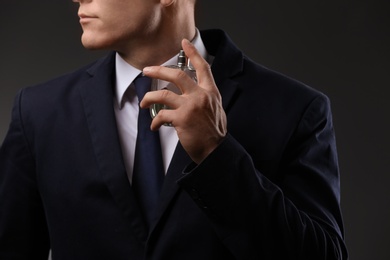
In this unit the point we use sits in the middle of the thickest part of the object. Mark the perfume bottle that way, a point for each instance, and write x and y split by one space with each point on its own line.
183 63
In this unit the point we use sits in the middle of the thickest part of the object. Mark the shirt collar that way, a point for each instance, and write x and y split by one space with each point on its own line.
126 74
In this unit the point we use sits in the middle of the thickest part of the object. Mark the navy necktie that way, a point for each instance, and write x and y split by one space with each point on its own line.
148 172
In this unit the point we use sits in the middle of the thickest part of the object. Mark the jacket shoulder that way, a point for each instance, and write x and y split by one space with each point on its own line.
65 81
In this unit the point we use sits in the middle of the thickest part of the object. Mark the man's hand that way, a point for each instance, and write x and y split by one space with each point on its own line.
197 114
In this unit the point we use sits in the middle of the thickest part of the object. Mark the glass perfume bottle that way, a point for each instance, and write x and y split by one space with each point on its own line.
183 63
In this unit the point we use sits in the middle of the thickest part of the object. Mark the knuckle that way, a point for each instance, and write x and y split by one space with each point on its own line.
204 101
205 66
161 114
180 75
164 93
157 69
163 117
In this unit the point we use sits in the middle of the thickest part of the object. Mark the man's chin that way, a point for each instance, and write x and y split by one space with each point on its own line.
93 48
92 44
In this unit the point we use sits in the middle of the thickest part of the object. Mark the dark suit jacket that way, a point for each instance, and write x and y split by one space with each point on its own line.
269 191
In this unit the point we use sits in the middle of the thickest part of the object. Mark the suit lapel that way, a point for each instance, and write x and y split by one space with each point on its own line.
227 54
97 95
179 161
227 64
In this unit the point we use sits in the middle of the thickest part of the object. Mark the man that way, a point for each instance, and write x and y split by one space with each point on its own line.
250 162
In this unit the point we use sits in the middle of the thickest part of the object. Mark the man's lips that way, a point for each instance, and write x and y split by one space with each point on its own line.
86 17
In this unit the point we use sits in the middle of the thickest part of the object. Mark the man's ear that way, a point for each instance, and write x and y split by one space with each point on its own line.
167 2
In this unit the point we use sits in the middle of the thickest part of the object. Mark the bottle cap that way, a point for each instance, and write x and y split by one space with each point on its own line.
181 59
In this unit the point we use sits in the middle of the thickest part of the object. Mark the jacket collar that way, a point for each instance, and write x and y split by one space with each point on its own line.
228 63
98 97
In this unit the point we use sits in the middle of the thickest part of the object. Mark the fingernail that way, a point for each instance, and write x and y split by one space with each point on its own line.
186 41
146 69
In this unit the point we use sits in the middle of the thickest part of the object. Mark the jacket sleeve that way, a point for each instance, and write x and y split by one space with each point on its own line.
23 229
295 216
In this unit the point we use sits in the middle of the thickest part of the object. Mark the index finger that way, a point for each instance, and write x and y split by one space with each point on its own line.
203 69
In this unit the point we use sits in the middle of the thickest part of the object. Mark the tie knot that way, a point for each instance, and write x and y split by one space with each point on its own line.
142 85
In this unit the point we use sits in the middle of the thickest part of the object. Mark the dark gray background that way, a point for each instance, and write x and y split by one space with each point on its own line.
337 46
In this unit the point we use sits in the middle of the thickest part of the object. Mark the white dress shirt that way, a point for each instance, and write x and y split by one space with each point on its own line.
126 110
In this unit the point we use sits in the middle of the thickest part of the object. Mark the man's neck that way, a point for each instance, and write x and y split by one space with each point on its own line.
156 50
